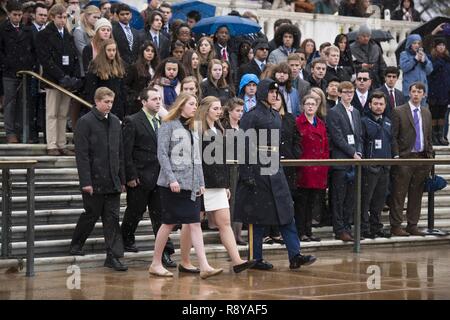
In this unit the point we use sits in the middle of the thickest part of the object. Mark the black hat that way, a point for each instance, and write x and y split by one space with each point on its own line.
260 45
438 41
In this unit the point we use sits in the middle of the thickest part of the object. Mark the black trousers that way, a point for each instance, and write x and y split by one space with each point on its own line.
375 185
106 206
305 203
138 200
342 201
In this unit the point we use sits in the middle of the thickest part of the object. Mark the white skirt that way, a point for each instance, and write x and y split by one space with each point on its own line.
215 199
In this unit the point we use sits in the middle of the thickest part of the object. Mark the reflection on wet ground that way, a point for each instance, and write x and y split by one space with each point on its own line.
379 273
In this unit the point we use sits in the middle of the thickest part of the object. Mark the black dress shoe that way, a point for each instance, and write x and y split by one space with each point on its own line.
76 251
167 261
244 266
186 270
241 243
382 234
301 260
313 238
115 264
130 248
262 265
368 235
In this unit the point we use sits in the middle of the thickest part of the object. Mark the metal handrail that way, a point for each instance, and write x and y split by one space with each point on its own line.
5 166
358 163
24 74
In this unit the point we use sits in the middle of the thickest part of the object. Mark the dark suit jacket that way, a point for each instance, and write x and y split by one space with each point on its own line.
140 150
399 100
164 43
338 124
339 73
127 55
363 110
404 134
251 67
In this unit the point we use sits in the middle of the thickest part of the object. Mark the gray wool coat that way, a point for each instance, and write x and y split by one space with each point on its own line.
179 158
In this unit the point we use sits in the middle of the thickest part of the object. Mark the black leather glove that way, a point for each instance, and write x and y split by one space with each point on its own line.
65 82
249 182
76 84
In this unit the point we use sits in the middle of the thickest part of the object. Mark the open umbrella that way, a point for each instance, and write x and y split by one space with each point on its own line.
236 25
181 9
425 30
377 35
136 21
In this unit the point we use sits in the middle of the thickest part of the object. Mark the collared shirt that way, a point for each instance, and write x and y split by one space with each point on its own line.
361 96
419 114
124 27
61 32
250 103
150 118
154 34
389 93
259 63
38 27
349 111
301 75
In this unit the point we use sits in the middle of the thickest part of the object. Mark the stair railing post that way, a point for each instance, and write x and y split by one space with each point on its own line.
30 222
6 213
357 220
25 125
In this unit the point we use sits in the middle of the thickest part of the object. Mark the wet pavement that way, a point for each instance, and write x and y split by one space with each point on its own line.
379 273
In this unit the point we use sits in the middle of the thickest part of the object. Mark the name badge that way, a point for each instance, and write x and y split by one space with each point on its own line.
378 144
350 139
65 60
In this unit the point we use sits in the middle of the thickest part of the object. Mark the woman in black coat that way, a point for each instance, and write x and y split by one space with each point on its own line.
140 74
106 70
345 58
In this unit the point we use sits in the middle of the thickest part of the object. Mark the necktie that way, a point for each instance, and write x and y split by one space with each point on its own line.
351 121
392 99
224 54
62 34
155 125
363 101
155 41
129 36
417 128
263 65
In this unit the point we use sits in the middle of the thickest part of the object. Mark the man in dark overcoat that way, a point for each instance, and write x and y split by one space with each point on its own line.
263 197
100 164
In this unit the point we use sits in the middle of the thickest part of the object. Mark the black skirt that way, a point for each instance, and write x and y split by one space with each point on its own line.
178 208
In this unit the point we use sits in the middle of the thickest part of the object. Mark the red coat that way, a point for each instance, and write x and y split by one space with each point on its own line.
314 144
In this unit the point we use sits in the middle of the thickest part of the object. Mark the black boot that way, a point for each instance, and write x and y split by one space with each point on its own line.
435 135
442 141
114 263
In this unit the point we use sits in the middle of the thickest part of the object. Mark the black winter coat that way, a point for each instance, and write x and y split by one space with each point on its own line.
270 201
99 152
216 174
51 50
93 82
134 84
209 89
17 51
290 147
140 150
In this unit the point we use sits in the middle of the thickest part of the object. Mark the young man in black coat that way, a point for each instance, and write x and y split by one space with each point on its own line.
142 170
59 59
100 164
263 197
17 53
127 38
154 34
394 96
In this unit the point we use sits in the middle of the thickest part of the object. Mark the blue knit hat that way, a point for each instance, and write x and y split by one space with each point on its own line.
246 79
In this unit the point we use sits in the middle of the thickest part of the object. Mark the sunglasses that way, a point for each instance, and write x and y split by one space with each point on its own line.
363 79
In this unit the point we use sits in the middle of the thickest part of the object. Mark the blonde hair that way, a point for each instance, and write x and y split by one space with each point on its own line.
89 10
202 113
177 108
102 92
322 110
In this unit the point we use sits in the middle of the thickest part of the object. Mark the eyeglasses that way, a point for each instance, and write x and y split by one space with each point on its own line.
363 79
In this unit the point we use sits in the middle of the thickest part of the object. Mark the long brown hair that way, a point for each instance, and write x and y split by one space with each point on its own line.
105 68
177 108
202 113
88 11
221 83
211 54
187 63
231 104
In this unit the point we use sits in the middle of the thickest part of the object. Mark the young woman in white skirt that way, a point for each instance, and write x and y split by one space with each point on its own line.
217 178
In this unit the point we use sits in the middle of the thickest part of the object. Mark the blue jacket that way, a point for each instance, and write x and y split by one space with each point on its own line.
376 137
439 82
414 70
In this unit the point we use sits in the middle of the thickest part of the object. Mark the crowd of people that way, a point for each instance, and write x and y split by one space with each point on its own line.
149 89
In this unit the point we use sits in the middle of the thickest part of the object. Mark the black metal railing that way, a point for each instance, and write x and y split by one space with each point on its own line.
6 166
25 116
358 169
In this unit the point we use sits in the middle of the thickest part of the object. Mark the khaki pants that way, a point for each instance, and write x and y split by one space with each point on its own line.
56 112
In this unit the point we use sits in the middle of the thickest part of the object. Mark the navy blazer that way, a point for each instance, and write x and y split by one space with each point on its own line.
164 43
127 55
338 123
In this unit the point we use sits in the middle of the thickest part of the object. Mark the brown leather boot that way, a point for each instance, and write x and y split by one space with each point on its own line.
414 231
399 232
12 139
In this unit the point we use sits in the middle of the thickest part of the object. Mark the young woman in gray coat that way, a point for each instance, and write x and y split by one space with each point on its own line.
181 182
